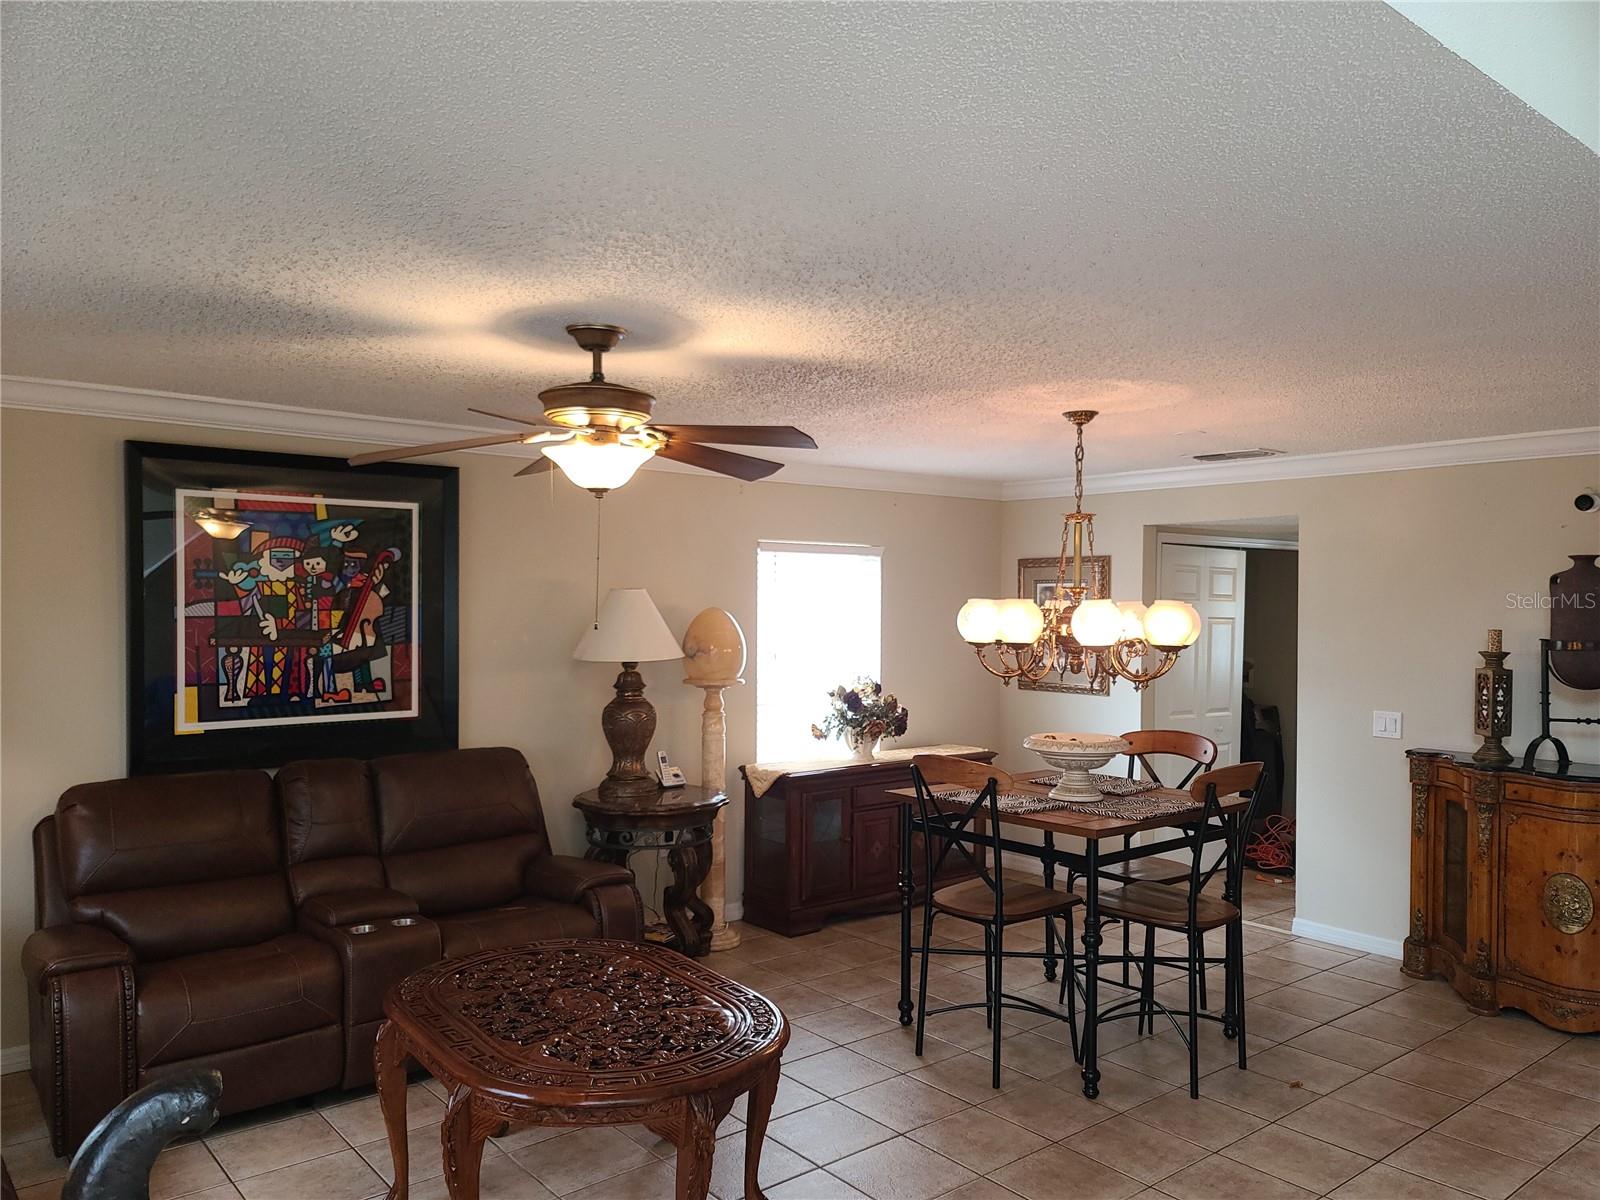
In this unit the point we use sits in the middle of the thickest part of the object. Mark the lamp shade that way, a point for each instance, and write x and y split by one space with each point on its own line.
978 621
629 629
1132 619
598 466
1171 623
1021 622
1097 623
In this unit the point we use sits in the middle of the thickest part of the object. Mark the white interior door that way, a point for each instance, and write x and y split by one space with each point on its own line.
1203 693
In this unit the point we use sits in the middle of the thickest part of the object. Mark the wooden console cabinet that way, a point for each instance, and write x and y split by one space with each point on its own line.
1505 883
827 841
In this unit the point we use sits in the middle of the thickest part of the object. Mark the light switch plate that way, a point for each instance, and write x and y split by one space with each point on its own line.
1385 724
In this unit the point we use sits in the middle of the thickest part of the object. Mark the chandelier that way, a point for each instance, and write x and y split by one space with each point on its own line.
1073 634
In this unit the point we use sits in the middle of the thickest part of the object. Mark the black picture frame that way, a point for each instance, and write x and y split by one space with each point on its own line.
153 474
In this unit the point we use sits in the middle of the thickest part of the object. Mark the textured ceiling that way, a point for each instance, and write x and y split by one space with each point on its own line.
917 231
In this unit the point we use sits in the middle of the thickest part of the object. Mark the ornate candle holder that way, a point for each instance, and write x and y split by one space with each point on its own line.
1491 710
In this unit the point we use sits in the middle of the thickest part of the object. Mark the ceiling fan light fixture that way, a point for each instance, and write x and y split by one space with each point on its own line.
599 465
220 523
608 433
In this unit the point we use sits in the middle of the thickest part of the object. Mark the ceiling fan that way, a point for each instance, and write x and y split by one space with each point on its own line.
599 433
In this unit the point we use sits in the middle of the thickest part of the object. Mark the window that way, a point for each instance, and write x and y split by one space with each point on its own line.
818 624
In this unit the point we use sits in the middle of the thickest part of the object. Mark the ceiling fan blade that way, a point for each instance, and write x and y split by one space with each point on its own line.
537 467
378 456
723 462
484 412
741 435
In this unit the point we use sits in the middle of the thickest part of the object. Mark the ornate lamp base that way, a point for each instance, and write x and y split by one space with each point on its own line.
629 722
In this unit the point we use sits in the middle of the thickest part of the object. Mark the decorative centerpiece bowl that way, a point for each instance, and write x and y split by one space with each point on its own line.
1075 755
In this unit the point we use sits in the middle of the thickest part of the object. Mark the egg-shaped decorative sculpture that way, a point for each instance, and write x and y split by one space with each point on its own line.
713 650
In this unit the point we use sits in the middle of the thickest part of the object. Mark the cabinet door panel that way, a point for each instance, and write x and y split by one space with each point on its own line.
1454 876
875 848
825 820
1450 874
1550 889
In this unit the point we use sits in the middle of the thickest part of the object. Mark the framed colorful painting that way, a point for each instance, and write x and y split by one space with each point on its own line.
282 606
1036 581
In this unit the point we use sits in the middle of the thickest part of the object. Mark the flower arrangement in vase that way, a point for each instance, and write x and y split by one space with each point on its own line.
862 715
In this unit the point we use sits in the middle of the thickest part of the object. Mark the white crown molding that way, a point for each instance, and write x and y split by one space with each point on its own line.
1553 443
247 416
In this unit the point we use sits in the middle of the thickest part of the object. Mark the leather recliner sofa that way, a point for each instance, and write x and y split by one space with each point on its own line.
252 924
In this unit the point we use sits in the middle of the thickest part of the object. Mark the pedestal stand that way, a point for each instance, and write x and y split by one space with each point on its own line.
713 769
713 657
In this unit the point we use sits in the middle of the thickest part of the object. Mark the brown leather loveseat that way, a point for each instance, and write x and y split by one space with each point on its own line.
252 924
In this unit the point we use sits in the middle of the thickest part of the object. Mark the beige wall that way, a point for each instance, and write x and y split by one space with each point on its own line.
1400 575
527 570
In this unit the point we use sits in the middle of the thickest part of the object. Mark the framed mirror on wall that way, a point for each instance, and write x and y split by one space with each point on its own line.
1036 581
286 606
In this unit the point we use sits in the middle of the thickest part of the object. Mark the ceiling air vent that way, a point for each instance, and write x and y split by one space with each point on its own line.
1236 455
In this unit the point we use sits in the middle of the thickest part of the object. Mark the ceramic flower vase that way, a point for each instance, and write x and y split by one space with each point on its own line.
862 748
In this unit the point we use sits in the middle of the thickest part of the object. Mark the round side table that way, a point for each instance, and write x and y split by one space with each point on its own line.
677 820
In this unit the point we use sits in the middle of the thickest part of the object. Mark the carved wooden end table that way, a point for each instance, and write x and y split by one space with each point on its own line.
680 821
580 1032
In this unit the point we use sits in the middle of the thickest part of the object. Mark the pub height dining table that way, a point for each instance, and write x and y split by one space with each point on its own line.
1092 829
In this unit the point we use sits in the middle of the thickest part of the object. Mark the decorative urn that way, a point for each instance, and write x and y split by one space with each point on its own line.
1075 755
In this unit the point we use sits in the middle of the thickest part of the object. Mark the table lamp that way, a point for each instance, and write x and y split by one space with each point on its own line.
628 630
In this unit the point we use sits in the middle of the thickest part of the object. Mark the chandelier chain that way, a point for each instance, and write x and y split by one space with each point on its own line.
1077 467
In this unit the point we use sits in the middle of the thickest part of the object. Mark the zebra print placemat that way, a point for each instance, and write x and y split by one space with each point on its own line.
1112 785
1135 806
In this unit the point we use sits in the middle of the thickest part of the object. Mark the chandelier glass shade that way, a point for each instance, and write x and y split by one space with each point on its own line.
1073 633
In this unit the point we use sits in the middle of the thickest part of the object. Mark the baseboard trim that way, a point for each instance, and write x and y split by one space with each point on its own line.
14 1059
733 911
1350 939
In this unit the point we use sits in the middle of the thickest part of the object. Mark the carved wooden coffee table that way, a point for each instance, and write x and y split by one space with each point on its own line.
580 1032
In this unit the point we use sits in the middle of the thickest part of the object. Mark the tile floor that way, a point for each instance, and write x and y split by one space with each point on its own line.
1363 1085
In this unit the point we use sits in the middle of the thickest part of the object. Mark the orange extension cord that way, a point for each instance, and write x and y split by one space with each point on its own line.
1273 848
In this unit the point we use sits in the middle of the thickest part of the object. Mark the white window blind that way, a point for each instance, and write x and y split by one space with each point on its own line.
819 611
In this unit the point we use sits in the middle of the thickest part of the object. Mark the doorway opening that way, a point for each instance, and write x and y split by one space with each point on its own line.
1239 684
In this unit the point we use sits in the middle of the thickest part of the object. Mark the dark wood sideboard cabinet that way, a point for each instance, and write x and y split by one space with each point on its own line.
827 841
1505 880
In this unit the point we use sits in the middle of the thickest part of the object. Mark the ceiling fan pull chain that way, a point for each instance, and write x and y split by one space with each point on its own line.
597 510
